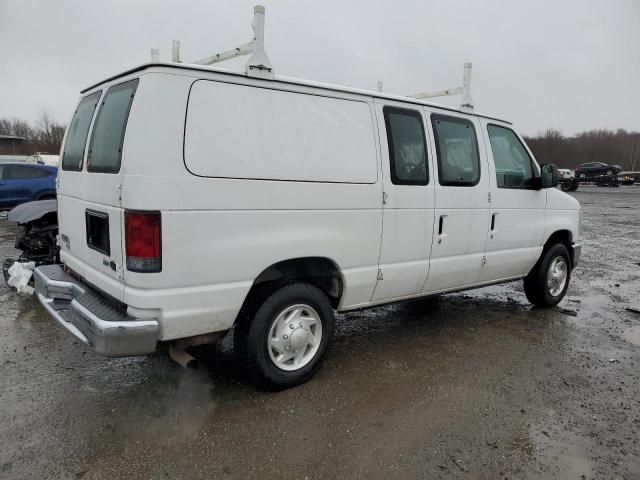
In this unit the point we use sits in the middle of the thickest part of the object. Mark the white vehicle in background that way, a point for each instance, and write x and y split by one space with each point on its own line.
194 199
567 174
44 159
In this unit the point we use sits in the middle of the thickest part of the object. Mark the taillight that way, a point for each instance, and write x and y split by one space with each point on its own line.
143 232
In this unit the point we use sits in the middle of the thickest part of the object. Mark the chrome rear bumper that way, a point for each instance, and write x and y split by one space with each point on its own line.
92 318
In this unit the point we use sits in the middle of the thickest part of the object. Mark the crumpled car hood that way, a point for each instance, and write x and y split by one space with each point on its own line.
27 212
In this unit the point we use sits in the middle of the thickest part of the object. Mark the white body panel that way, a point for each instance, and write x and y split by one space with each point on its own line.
215 154
289 142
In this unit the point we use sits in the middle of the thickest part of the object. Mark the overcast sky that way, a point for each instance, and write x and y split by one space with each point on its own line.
572 65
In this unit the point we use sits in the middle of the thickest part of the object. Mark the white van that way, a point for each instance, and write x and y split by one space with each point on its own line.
192 200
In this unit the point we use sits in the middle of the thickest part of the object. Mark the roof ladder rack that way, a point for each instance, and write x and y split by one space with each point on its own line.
466 103
258 64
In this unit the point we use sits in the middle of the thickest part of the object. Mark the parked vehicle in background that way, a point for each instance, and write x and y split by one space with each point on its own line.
37 236
24 182
565 173
595 169
42 158
628 178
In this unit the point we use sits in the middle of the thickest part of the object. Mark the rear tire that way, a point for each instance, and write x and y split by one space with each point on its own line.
547 283
282 336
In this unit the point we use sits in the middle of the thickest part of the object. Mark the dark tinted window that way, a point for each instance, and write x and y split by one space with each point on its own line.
77 133
457 149
407 146
513 164
107 137
14 172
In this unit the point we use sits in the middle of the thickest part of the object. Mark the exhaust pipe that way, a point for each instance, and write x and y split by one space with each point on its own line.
181 357
177 349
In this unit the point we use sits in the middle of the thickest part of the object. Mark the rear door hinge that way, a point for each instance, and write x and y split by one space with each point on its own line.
119 189
489 197
484 260
385 198
380 275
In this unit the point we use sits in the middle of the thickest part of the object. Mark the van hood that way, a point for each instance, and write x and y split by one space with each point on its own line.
558 200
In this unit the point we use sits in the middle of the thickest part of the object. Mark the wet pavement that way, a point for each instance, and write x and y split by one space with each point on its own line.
475 385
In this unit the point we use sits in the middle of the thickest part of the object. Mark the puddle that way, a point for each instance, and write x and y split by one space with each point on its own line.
563 456
632 335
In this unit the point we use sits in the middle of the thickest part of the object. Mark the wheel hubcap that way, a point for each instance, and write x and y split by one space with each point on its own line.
557 276
294 337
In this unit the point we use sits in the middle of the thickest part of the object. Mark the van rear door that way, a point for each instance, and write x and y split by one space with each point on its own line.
89 194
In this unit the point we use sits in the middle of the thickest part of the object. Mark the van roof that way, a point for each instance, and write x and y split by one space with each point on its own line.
294 81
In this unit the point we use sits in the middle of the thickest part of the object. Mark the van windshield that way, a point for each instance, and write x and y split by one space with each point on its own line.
78 131
105 148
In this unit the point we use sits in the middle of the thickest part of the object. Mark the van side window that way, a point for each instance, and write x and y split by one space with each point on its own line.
513 163
457 149
407 146
77 132
107 137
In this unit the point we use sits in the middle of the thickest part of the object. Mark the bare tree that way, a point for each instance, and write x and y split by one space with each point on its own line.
5 126
631 151
49 133
45 136
614 147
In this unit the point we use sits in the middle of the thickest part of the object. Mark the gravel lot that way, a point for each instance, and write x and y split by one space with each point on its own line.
474 385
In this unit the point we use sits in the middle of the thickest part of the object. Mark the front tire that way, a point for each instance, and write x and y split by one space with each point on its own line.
282 336
547 283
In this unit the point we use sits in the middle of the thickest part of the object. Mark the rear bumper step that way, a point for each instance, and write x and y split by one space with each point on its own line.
92 318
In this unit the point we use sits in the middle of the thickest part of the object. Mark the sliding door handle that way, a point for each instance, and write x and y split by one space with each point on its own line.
441 233
493 230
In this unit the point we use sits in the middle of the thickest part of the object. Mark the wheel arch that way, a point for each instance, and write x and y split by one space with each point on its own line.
321 272
563 236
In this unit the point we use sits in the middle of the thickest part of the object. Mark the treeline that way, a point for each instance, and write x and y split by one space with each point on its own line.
45 135
617 147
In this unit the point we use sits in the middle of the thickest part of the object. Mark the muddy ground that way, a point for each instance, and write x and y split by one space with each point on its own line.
475 385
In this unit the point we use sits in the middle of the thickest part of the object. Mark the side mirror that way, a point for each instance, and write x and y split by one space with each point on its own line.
549 176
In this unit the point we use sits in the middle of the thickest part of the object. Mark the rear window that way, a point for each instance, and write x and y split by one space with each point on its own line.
107 137
77 133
